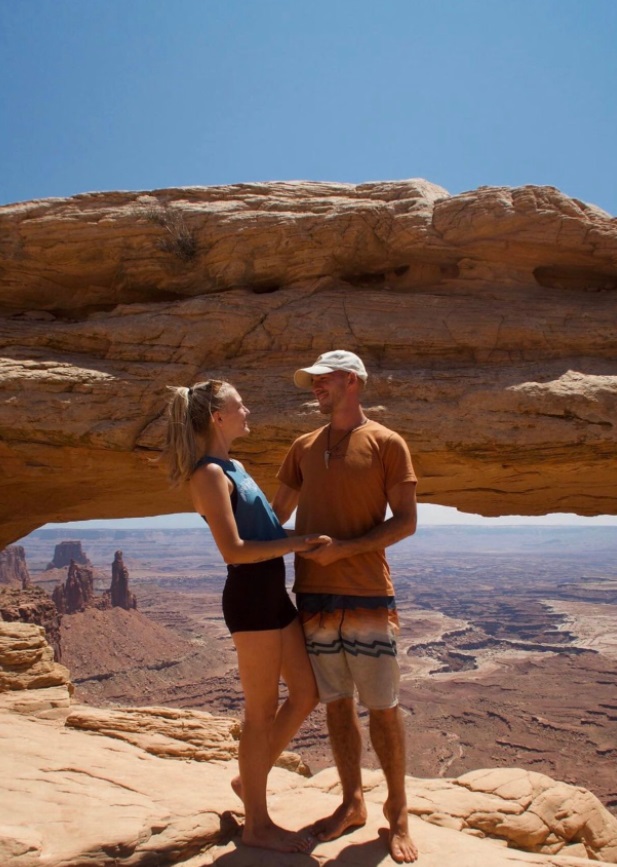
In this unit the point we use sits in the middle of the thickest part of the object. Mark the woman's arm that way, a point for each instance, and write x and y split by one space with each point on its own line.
209 489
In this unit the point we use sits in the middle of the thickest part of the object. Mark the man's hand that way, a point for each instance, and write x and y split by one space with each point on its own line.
311 543
327 553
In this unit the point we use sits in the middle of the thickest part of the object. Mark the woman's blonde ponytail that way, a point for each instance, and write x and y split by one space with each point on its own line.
189 412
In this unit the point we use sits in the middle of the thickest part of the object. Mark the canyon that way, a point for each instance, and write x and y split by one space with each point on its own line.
507 646
124 753
487 323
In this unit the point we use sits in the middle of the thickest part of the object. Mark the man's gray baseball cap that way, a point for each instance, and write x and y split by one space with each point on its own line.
328 362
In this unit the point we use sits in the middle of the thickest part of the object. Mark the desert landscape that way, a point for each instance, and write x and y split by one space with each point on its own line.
486 320
508 644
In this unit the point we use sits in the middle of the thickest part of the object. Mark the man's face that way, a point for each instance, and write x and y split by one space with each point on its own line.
330 389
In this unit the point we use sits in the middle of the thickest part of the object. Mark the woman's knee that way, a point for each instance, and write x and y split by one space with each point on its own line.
260 713
303 695
308 701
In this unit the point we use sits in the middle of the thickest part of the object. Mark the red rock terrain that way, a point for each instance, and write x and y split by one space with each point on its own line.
486 320
487 323
152 786
508 656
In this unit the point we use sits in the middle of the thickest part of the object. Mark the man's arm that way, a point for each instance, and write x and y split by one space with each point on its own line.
284 502
402 502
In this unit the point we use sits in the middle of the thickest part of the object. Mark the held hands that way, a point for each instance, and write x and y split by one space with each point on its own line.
305 544
328 551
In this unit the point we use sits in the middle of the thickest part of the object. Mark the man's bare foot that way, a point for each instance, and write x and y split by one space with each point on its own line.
402 848
236 785
343 819
279 839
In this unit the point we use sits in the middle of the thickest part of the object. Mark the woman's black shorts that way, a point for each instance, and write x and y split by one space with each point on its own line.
255 597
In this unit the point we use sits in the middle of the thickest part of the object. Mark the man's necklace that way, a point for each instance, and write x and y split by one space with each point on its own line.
330 450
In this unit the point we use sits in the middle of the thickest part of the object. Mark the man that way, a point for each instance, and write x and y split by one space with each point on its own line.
341 478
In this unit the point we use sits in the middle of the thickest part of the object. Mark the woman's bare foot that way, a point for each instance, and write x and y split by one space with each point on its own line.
402 848
344 818
279 839
272 836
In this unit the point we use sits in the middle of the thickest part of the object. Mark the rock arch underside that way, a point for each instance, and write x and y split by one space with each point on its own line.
487 321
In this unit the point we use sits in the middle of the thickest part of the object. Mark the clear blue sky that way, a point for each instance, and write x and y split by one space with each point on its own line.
144 94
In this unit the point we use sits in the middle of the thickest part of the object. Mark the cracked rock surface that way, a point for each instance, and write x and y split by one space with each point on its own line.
151 786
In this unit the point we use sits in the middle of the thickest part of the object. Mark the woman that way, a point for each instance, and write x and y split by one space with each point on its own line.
203 422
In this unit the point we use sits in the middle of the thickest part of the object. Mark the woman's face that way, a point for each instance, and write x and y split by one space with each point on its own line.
233 416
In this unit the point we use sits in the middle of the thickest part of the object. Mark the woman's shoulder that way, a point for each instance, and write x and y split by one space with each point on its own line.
207 468
221 463
209 484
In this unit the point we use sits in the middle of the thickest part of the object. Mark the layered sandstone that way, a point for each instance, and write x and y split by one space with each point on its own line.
27 660
487 321
152 785
32 605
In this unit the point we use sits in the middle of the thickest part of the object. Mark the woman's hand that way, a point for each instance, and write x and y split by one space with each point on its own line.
327 552
309 543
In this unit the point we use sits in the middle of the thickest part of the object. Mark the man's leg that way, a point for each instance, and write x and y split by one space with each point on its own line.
346 743
388 739
322 620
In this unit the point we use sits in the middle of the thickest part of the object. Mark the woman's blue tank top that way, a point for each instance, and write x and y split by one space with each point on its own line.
255 519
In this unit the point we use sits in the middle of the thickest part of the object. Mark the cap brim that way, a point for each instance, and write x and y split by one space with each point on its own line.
302 377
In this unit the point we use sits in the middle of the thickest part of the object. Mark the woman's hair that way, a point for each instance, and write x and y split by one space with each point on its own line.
189 412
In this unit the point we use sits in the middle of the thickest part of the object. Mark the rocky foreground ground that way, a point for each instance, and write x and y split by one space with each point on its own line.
150 786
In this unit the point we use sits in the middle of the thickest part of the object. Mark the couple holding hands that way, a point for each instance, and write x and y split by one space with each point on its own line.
341 638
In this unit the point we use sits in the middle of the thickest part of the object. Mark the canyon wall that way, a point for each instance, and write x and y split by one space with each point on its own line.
486 320
13 567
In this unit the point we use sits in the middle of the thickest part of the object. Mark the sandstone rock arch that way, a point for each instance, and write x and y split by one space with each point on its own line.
487 320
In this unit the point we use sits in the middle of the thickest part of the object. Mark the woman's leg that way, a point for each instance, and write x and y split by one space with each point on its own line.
259 664
302 695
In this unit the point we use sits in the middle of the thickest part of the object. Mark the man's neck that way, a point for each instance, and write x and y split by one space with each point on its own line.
347 418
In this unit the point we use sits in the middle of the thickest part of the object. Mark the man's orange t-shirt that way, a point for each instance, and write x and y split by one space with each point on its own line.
346 499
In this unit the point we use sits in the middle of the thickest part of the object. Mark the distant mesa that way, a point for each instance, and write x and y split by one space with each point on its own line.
77 592
13 567
66 553
21 601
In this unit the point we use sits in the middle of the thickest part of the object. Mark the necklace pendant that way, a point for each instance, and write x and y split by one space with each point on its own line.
326 456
